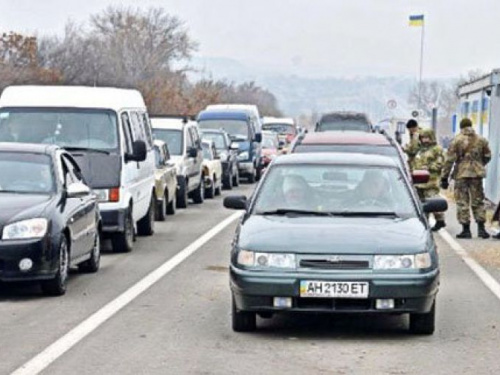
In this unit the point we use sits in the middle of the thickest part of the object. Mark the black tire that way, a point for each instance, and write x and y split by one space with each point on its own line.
236 178
243 321
182 194
123 242
227 182
424 324
161 209
172 206
210 192
199 193
92 265
251 178
146 226
57 285
258 173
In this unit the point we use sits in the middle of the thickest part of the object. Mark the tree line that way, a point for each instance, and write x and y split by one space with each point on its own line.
148 50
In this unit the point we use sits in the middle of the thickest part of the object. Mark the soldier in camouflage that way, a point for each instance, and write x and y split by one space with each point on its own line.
430 157
467 156
411 148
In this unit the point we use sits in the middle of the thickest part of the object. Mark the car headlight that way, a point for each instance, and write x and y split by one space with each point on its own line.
402 262
266 260
26 229
244 155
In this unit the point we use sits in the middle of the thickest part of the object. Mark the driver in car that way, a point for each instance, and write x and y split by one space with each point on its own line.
372 191
297 193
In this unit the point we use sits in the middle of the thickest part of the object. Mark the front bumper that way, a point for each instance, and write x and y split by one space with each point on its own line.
254 291
40 251
113 221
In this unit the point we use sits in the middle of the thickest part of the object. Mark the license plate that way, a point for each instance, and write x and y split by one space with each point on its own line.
334 289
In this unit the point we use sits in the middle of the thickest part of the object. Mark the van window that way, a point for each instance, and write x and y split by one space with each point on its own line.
66 127
127 130
137 127
237 129
147 129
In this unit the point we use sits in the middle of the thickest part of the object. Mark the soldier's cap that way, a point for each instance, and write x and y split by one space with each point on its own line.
411 124
465 123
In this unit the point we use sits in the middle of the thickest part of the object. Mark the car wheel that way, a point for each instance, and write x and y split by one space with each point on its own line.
146 226
123 242
57 285
199 193
218 188
182 194
423 324
210 191
251 177
92 265
236 178
172 205
227 182
161 209
243 321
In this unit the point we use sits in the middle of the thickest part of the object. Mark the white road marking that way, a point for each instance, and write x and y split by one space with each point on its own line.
66 342
483 275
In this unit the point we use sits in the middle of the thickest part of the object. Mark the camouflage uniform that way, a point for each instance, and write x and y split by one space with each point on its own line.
468 156
412 147
429 157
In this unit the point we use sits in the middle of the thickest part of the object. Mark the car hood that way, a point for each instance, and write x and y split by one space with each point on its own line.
337 235
14 207
100 170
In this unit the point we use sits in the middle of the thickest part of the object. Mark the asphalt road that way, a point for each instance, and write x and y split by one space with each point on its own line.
181 325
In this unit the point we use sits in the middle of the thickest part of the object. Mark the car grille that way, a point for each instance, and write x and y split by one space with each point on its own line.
335 304
335 265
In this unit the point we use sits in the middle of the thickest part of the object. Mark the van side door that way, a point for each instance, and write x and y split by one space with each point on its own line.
130 170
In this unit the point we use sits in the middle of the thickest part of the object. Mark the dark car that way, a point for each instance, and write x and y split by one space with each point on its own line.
342 121
334 233
351 142
228 152
49 218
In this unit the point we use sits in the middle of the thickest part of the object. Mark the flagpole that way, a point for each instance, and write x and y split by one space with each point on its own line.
422 37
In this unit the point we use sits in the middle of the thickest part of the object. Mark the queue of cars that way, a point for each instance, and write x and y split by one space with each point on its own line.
336 227
83 164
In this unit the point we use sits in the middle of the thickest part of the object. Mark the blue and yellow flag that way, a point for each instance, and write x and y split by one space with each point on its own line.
417 20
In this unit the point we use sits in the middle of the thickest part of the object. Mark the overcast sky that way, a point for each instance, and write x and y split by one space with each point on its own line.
310 37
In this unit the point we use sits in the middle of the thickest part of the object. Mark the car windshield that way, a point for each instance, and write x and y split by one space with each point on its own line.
218 138
280 128
173 139
26 173
336 190
237 129
269 141
79 128
206 152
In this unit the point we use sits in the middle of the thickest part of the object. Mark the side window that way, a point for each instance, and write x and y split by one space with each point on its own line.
127 131
167 153
196 138
137 127
147 129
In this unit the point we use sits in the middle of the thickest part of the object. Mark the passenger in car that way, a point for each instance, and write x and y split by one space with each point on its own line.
297 193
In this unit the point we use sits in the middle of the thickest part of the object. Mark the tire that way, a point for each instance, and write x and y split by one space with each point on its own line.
92 265
123 242
227 182
172 206
243 321
424 324
182 194
146 226
210 192
218 189
199 193
258 173
57 285
236 178
161 209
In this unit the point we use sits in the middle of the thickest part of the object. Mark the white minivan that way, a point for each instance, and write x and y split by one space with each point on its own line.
109 134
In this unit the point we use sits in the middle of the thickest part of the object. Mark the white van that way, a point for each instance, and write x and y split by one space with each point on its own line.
109 134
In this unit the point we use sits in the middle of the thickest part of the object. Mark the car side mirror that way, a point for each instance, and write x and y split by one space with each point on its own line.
139 152
236 202
77 190
435 205
258 137
193 152
235 146
420 176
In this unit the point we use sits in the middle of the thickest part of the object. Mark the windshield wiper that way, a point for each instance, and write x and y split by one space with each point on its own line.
367 213
285 211
88 149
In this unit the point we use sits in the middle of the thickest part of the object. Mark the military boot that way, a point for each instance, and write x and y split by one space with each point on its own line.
439 224
465 232
481 231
